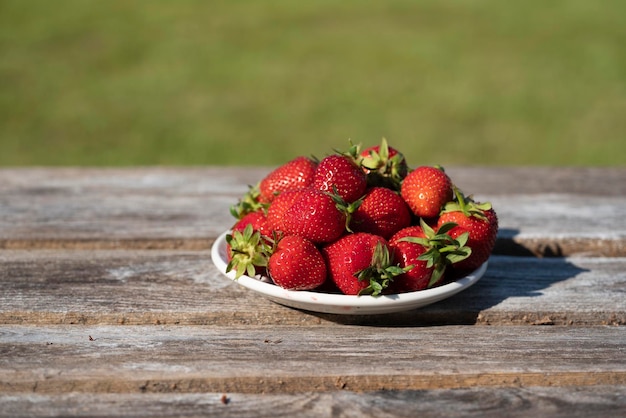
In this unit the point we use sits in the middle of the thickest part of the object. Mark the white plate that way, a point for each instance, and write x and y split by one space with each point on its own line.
337 303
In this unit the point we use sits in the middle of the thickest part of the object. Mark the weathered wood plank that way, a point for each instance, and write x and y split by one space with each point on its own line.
72 208
65 338
560 225
570 402
289 359
590 181
184 287
542 211
593 181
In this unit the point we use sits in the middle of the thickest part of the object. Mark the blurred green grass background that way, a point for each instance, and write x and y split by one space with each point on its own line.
129 82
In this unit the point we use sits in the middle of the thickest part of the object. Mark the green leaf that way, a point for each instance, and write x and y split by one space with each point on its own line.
416 240
428 231
248 203
459 256
437 274
381 271
446 227
462 239
241 269
383 149
248 250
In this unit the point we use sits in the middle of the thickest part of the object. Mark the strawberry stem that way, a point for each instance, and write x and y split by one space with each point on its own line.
248 250
466 205
441 249
380 273
248 203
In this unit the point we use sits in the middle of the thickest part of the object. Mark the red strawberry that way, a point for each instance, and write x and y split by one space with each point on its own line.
278 208
477 219
359 263
425 256
381 212
407 254
296 174
296 264
338 173
384 165
314 215
257 219
426 190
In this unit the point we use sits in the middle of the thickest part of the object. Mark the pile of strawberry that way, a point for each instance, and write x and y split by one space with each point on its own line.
359 222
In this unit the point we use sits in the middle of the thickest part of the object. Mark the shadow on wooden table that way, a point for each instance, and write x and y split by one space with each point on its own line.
510 293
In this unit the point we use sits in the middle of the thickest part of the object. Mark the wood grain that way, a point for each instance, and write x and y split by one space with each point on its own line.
570 402
542 211
184 287
108 359
110 302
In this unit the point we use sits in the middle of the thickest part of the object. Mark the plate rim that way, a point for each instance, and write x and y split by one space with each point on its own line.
339 303
333 303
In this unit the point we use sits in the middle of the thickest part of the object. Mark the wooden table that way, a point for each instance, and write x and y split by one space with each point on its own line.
110 304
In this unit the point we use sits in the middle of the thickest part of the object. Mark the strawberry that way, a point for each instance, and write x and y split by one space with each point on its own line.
296 264
479 220
426 189
425 255
257 219
295 174
360 264
384 165
381 212
314 215
278 208
360 208
339 174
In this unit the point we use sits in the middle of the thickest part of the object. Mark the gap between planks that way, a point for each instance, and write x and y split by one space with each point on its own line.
289 316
